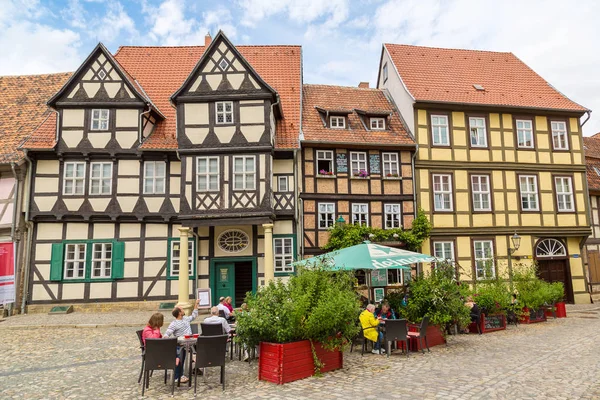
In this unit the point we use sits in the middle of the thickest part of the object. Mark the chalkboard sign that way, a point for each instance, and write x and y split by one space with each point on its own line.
379 277
341 162
537 315
494 321
375 168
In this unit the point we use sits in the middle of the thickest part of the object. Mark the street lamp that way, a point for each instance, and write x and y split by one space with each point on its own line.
516 242
340 221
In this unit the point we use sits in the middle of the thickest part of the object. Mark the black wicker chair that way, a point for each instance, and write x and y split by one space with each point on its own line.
210 352
422 333
211 329
396 330
143 350
160 355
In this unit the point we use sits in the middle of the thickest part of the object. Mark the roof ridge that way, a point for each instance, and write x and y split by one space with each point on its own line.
448 48
198 46
342 86
40 75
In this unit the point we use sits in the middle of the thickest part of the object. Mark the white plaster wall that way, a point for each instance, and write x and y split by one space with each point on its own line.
401 97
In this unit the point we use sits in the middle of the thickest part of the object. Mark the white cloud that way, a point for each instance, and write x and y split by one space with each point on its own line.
300 11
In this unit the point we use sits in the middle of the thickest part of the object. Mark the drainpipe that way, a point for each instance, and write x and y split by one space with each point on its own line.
589 115
16 192
29 226
414 171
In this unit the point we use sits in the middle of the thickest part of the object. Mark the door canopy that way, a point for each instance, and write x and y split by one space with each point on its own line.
550 248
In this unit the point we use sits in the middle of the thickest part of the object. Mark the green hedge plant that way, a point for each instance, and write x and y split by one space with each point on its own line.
493 296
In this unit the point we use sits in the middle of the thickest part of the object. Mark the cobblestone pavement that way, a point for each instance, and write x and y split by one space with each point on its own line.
559 359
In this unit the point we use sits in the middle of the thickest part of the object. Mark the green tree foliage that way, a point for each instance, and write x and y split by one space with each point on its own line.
349 235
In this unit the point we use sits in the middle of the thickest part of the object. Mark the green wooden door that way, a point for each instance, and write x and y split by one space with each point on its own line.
225 280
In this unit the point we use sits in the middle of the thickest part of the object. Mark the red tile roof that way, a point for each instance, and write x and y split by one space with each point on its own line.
592 161
23 108
350 99
448 75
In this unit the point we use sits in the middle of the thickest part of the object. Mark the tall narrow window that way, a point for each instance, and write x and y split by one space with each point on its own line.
176 256
325 162
439 130
101 178
326 215
444 251
207 174
337 122
358 162
102 260
74 178
360 214
560 141
442 192
75 261
564 194
284 254
390 164
385 72
393 216
282 183
154 177
484 259
244 173
377 124
99 120
524 133
529 192
478 133
224 112
480 188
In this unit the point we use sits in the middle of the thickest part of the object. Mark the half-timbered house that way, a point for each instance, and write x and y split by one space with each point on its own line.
592 244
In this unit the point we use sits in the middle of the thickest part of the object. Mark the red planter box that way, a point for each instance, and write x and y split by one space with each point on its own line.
286 362
561 310
434 337
492 323
533 316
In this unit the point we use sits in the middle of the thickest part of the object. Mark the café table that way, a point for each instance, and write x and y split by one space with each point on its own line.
187 345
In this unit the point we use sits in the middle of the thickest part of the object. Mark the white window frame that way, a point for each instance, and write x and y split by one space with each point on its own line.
391 162
282 184
392 215
447 250
443 192
479 194
340 122
478 125
596 170
106 253
207 174
175 260
244 173
443 130
377 123
325 155
559 129
74 179
101 179
360 214
358 158
531 194
101 120
564 196
154 177
326 215
286 259
525 129
224 113
486 257
78 263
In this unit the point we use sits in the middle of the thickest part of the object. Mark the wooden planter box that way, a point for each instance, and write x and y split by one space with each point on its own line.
489 323
434 337
533 316
286 362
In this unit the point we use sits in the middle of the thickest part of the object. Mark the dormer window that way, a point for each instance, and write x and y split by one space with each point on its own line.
377 124
337 122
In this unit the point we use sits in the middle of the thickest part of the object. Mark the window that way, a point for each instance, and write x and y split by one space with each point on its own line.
480 187
207 174
224 112
100 120
75 261
385 72
244 173
360 214
101 178
390 164
564 193
393 216
102 260
442 192
484 259
439 130
478 134
597 171
154 177
524 133
176 255
326 215
377 124
529 192
325 162
282 183
284 254
358 162
74 178
223 64
102 74
560 140
337 122
444 251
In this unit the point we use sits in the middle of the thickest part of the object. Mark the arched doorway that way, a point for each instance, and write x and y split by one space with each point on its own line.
553 264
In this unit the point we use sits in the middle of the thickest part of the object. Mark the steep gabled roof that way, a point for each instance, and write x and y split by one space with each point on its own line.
449 75
353 102
592 161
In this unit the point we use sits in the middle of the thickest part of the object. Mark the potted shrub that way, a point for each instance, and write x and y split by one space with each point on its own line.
493 297
531 296
302 326
554 294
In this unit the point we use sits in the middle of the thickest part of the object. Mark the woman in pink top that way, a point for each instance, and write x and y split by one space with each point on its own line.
227 303
152 330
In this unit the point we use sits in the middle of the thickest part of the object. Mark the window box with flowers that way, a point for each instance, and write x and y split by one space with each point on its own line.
392 177
362 174
325 174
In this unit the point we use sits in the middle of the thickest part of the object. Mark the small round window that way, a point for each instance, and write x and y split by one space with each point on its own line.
233 241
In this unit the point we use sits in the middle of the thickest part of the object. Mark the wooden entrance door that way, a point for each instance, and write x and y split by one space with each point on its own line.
224 280
557 271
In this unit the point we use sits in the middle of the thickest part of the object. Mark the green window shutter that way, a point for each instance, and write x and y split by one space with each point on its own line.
56 263
118 260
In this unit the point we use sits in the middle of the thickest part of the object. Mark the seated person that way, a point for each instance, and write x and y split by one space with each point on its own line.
152 330
222 307
180 327
369 325
228 304
475 312
385 312
215 319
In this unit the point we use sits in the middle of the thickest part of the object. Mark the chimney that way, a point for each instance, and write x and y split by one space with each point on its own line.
207 39
363 85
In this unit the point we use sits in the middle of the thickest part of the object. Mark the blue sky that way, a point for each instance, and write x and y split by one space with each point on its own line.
341 39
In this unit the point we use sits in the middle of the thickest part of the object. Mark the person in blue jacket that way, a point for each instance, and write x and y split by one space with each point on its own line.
385 312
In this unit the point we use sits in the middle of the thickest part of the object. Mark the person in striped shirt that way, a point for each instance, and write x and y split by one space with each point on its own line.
180 327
